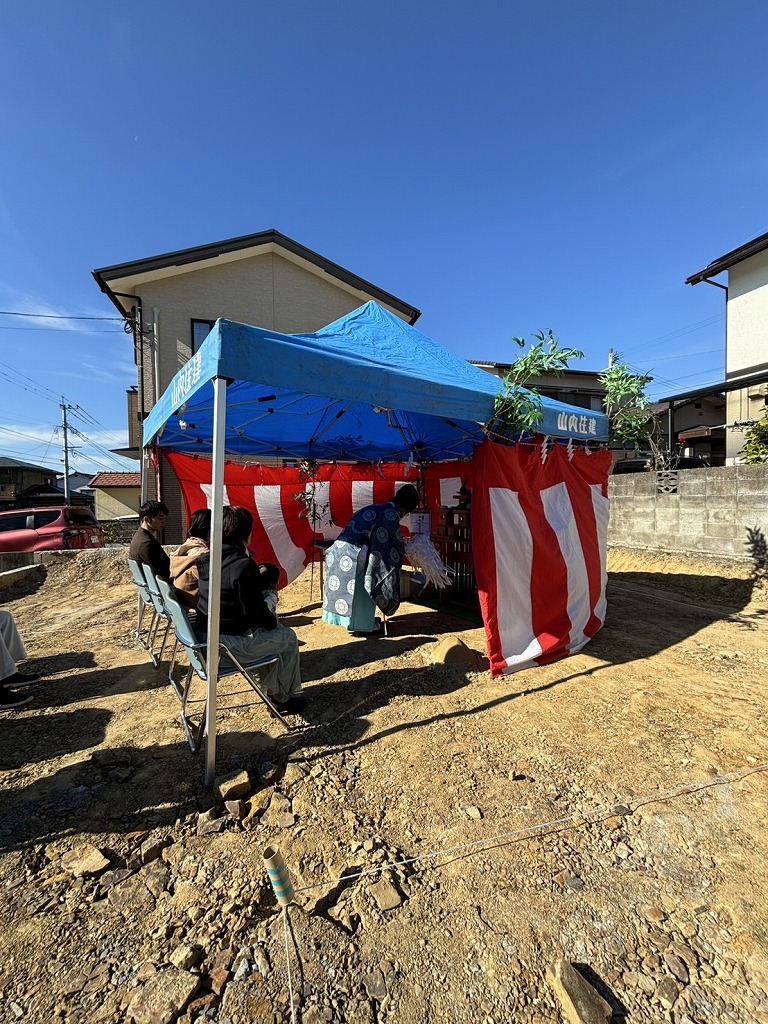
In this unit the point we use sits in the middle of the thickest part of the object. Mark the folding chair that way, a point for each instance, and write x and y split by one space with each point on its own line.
196 651
145 637
160 609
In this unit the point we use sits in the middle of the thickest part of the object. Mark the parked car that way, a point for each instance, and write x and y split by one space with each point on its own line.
56 528
632 466
645 463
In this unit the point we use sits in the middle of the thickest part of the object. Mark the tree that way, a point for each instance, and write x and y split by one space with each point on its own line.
755 450
627 405
518 408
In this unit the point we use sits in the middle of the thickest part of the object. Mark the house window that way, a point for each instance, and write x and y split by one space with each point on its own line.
200 331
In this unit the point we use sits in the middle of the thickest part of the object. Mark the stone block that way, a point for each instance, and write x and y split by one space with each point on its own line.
721 482
232 786
721 516
725 531
692 483
666 521
691 522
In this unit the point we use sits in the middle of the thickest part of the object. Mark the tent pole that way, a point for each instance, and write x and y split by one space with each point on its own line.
214 593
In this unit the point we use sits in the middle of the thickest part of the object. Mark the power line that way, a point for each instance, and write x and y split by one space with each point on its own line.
688 355
17 433
59 316
40 391
99 448
678 333
13 454
59 330
41 388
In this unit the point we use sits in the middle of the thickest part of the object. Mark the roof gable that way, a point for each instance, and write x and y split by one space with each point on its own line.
122 275
730 259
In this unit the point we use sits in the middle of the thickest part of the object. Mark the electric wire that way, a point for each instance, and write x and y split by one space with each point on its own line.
59 316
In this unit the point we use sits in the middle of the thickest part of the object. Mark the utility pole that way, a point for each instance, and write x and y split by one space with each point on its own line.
65 442
611 358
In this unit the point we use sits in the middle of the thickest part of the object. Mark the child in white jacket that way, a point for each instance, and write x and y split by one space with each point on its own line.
270 576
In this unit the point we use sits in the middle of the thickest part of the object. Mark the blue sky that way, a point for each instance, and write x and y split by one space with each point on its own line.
506 167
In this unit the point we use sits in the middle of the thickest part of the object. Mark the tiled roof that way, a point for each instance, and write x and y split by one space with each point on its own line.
115 480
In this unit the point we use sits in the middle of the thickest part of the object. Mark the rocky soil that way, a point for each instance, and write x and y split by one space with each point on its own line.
450 837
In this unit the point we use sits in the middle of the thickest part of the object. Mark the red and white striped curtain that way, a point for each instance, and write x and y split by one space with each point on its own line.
281 532
539 528
541 576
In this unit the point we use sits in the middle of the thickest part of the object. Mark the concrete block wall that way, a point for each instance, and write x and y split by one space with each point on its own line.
710 514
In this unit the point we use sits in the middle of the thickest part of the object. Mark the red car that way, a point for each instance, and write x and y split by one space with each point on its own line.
54 528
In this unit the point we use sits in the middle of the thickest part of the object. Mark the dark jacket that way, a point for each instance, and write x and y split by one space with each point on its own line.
242 600
146 548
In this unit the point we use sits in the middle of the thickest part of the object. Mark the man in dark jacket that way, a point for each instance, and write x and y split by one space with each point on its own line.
145 547
246 625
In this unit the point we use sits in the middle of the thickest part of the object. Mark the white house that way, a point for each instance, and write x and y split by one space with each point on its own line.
746 336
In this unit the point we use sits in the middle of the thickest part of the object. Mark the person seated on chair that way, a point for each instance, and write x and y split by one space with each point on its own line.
145 547
362 567
270 577
11 651
246 625
184 575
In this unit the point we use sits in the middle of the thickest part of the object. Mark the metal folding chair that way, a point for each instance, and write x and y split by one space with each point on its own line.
160 609
196 653
145 635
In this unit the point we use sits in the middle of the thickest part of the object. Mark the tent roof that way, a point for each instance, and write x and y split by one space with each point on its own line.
367 387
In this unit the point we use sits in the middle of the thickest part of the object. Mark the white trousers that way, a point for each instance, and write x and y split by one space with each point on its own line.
11 645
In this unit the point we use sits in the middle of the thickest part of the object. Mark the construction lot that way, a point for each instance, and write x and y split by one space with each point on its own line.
607 810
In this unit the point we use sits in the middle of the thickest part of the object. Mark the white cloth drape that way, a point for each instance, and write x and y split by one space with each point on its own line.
11 645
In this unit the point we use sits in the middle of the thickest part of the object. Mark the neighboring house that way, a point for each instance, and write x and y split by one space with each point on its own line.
117 494
746 336
77 481
171 301
698 427
16 477
574 387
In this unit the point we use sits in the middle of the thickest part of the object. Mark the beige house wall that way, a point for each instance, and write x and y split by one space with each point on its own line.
113 502
746 347
747 315
265 290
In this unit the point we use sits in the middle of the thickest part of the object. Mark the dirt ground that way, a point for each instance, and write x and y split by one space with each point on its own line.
607 810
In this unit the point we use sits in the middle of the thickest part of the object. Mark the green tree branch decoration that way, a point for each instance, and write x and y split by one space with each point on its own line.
627 406
518 408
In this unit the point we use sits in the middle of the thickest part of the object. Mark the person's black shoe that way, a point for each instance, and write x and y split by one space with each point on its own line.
292 706
9 700
21 679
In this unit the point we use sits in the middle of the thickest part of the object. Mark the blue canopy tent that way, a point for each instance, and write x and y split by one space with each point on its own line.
367 387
